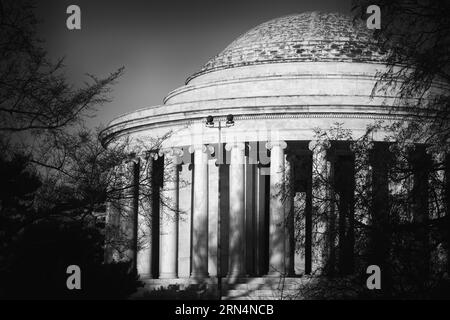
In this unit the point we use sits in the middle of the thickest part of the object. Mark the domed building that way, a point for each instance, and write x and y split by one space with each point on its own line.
239 152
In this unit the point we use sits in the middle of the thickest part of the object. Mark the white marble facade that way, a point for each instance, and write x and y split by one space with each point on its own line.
280 81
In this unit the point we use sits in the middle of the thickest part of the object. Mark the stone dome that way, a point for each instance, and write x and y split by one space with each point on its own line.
289 75
305 37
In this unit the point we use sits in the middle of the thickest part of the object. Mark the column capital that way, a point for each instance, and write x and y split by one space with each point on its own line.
201 147
231 145
173 152
394 147
323 144
150 154
355 146
154 154
437 156
410 146
279 143
406 146
436 153
133 160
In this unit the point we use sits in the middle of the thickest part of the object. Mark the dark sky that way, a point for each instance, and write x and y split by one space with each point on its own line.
160 43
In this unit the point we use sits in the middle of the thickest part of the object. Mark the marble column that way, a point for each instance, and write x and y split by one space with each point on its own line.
213 215
261 231
131 211
446 200
185 220
438 194
237 210
200 213
276 209
420 163
380 242
113 214
169 215
437 183
289 215
320 203
145 219
363 174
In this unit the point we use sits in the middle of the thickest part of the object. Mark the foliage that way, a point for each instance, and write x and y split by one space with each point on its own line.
54 172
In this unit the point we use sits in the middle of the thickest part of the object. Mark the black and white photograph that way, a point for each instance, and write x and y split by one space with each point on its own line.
208 152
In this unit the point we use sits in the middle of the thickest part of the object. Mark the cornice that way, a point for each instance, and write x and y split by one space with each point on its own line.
129 128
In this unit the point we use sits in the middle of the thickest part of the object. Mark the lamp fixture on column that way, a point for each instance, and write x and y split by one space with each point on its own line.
210 121
228 123
210 124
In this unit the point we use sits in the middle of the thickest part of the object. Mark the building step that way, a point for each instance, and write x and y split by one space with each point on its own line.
256 288
262 286
261 294
181 283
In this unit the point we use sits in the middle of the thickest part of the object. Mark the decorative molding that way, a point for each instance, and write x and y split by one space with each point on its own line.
115 129
273 61
281 77
138 125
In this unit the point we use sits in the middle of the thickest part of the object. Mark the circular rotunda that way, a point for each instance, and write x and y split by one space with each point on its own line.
266 95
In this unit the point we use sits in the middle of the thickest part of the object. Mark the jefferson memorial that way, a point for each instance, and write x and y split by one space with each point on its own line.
233 153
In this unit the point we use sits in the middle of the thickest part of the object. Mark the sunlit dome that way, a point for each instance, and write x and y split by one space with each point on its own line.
304 37
305 70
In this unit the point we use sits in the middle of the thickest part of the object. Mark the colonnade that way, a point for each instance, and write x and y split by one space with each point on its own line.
281 242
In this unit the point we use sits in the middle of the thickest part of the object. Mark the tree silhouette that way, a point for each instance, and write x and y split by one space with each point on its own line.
54 172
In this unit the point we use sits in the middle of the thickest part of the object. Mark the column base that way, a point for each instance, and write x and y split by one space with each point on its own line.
199 275
236 275
168 275
277 270
280 275
276 274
